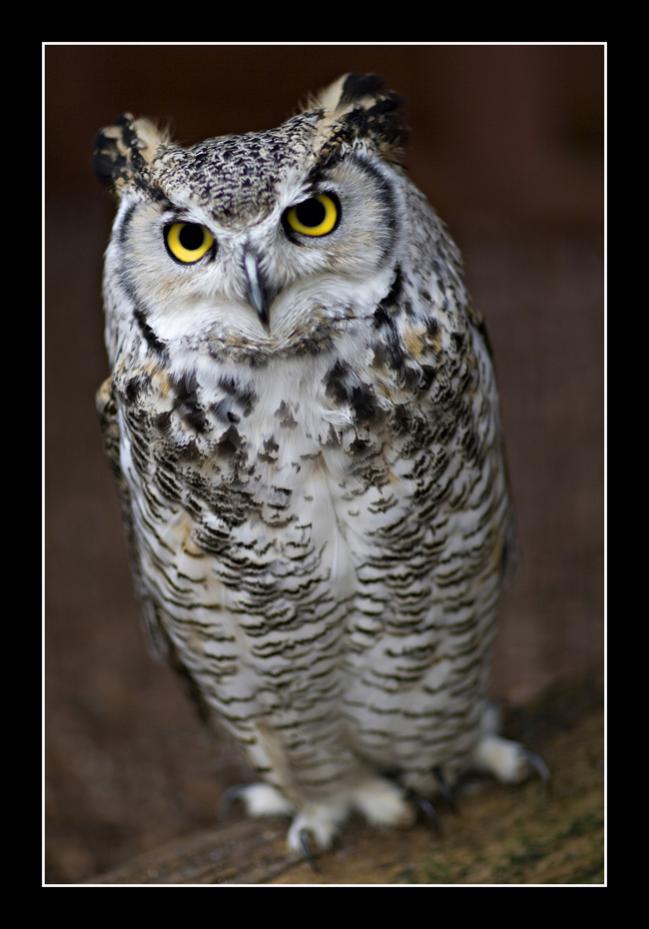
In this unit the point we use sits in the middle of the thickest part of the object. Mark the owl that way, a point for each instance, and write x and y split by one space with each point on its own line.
303 422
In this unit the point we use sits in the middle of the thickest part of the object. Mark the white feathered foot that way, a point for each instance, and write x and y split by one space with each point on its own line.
508 761
315 825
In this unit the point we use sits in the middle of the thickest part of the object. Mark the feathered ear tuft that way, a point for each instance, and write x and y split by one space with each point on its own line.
357 108
124 150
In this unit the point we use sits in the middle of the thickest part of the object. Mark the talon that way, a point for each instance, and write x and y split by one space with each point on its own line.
427 808
446 791
538 765
228 798
305 845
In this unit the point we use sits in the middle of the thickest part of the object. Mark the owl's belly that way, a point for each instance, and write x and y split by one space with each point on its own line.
325 602
256 611
422 619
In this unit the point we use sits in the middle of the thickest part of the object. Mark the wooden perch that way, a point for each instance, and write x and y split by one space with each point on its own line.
503 835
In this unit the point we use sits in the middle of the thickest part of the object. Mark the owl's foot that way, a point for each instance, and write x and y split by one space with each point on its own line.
257 799
316 825
383 804
510 762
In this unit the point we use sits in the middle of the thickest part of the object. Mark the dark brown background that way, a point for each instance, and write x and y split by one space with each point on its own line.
507 142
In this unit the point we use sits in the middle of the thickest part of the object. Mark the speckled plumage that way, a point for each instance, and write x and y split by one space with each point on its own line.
318 510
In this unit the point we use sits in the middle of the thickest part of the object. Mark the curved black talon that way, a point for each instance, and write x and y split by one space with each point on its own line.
427 808
305 845
537 764
446 791
228 798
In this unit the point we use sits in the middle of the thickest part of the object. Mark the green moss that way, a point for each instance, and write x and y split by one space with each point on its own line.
583 825
528 835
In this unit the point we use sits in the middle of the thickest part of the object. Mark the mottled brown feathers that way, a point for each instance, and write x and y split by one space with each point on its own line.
318 508
125 149
357 109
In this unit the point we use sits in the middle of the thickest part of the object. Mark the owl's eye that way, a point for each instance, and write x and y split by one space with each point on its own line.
188 242
316 216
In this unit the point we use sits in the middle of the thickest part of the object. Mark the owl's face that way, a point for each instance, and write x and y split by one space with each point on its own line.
260 239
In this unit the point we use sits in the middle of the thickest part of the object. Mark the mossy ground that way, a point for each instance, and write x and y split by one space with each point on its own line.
529 834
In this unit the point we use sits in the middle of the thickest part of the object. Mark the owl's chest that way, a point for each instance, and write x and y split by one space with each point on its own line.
278 461
306 459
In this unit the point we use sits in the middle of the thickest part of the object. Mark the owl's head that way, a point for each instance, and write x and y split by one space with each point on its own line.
262 239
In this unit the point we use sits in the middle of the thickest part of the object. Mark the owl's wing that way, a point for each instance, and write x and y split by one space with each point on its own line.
511 552
159 642
106 405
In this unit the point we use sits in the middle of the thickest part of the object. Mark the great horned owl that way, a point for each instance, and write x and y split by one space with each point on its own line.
303 421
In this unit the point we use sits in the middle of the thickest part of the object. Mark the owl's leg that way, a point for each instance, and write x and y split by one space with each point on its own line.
508 761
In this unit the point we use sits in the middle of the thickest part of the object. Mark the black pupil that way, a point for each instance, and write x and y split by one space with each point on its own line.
191 236
311 212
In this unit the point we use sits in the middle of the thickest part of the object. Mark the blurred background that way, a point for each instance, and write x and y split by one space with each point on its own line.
507 142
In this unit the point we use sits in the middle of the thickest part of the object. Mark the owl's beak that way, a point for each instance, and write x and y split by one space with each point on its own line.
257 292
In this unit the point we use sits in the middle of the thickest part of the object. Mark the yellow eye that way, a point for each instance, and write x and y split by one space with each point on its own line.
315 217
188 242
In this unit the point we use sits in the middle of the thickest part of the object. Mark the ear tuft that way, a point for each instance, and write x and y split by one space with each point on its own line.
357 86
124 150
356 109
